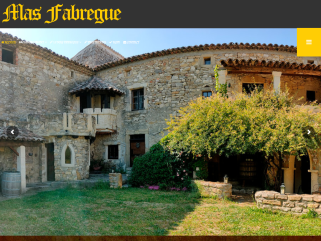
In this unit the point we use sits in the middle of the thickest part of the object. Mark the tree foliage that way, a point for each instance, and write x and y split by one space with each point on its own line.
267 122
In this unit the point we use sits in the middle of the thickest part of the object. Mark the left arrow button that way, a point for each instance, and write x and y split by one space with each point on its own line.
12 131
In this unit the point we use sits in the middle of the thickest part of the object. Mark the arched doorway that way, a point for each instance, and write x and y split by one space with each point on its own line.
302 176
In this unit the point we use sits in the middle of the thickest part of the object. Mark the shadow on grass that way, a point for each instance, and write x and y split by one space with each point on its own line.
97 211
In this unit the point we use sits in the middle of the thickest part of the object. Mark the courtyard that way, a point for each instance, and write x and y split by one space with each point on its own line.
136 211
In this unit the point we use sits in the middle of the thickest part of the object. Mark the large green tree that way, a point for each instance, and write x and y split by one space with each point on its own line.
266 121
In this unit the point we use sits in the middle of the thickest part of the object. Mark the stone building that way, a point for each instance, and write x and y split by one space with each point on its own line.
102 105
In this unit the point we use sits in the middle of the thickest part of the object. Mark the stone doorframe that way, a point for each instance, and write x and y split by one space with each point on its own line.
289 173
135 132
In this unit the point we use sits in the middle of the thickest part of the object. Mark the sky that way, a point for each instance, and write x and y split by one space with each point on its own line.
147 40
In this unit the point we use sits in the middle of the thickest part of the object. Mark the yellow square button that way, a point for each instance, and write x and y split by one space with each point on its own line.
309 42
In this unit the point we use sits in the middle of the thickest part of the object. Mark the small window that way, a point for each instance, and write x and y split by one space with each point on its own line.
207 93
249 87
128 73
72 74
207 61
68 155
7 56
138 99
113 152
310 61
310 95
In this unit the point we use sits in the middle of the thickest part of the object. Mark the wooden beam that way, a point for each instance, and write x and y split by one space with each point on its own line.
19 143
267 72
12 149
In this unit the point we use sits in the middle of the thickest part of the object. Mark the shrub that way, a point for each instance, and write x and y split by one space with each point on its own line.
159 167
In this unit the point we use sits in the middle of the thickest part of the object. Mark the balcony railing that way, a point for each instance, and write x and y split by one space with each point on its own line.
72 124
105 118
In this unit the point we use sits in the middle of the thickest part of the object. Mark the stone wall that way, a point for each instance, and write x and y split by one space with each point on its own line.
80 169
8 161
62 124
214 189
35 85
33 164
291 203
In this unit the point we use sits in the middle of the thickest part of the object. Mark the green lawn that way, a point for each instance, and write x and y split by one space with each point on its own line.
135 211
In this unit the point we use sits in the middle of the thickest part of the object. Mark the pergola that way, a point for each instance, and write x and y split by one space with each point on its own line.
18 145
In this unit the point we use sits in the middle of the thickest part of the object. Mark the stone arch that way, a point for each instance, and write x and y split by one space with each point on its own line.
63 153
289 172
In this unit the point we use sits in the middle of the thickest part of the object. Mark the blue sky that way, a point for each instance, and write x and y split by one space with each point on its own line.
149 39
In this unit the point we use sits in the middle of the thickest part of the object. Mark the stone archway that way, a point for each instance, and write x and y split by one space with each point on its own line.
289 173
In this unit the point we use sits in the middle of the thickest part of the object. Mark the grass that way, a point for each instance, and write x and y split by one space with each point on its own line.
133 211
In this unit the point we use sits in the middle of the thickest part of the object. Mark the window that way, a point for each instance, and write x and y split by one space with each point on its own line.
68 155
128 73
7 56
138 99
207 93
310 95
207 61
105 101
248 88
72 74
310 61
113 152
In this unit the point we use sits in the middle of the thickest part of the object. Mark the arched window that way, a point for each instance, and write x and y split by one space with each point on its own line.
67 156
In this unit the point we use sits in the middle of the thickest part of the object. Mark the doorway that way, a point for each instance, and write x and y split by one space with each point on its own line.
137 147
302 177
50 162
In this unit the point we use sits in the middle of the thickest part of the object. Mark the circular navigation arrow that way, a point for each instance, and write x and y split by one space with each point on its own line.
12 131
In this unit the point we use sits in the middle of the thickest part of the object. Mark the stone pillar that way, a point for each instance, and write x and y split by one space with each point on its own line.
289 175
21 166
115 180
222 76
314 180
276 80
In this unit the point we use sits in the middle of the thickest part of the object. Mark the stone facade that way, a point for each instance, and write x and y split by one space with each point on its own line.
80 168
289 203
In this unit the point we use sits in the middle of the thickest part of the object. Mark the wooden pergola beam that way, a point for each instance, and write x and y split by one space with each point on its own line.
12 149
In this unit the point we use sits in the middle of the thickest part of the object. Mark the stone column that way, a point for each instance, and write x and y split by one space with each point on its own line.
314 180
21 166
276 80
289 175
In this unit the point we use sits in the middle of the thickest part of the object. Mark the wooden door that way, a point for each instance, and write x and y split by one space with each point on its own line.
137 147
50 162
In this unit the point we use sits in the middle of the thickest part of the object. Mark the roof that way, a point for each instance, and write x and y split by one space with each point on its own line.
258 46
46 53
97 53
271 64
24 135
95 83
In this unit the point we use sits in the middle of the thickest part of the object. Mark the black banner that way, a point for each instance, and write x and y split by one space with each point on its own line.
159 14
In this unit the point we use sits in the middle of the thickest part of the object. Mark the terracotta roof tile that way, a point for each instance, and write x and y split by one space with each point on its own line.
24 135
95 83
271 64
257 46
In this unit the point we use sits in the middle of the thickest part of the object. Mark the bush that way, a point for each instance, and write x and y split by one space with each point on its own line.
159 167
